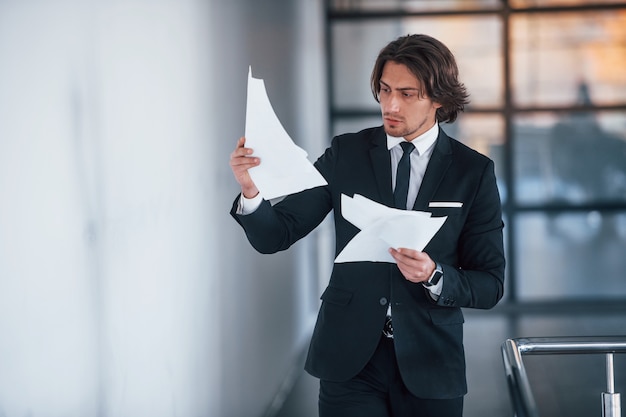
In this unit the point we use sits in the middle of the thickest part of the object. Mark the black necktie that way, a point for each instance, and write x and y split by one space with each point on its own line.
402 176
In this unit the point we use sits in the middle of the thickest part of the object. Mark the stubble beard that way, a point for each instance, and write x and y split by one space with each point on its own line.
403 132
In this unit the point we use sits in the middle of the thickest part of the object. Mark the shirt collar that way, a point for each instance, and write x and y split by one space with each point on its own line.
422 142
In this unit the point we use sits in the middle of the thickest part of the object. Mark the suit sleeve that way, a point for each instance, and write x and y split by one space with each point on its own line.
274 228
478 279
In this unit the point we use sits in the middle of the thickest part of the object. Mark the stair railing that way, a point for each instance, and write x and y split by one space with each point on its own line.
520 392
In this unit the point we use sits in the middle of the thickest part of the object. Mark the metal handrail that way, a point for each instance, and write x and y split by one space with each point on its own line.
520 391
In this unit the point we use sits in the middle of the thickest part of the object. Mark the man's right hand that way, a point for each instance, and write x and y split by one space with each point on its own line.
240 162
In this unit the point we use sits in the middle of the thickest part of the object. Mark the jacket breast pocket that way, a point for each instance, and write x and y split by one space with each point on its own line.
338 296
455 218
445 211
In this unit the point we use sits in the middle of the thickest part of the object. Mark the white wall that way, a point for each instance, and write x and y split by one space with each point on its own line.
125 287
264 333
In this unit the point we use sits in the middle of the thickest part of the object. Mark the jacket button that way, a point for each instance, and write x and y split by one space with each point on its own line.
383 301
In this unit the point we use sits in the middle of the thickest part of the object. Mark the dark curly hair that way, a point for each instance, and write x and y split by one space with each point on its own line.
434 66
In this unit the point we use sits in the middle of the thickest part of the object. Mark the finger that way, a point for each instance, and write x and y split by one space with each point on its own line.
241 142
395 254
411 253
403 255
241 152
413 269
244 166
242 155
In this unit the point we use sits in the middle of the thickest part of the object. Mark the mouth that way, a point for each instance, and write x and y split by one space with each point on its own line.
391 120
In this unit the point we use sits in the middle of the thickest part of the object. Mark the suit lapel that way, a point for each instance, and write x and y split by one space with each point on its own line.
381 163
439 162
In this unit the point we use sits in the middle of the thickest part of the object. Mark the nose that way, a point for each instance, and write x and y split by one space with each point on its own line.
393 104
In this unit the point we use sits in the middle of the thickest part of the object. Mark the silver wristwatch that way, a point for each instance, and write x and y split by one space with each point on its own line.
435 277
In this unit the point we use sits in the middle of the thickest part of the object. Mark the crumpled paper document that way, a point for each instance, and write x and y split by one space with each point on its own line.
383 227
284 167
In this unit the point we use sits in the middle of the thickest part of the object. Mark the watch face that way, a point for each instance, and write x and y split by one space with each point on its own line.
435 278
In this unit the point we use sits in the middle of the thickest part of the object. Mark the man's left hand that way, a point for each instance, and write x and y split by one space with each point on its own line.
416 266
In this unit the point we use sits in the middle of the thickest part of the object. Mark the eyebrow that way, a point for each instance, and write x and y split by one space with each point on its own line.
401 88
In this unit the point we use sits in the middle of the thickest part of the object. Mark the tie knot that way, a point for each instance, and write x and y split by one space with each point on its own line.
407 147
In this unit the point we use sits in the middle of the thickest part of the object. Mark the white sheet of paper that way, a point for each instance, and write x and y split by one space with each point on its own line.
383 227
361 211
284 167
410 231
366 246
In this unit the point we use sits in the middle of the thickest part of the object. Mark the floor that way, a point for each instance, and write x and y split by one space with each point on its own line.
563 385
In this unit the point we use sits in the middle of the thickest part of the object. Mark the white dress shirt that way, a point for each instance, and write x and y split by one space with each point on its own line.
424 145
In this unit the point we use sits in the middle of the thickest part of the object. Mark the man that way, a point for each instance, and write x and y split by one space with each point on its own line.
389 336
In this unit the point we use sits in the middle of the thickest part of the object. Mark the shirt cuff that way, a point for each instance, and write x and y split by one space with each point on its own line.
248 205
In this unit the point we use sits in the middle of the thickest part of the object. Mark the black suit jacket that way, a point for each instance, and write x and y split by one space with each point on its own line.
428 334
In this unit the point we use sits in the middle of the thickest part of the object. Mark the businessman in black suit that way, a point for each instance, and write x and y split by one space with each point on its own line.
389 336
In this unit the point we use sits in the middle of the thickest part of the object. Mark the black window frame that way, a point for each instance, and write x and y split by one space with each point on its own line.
509 110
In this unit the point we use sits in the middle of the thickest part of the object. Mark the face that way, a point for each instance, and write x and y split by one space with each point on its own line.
406 111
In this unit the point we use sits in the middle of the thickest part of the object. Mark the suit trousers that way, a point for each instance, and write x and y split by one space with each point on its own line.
378 391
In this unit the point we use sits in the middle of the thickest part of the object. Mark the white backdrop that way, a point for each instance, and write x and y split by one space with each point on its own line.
103 223
120 270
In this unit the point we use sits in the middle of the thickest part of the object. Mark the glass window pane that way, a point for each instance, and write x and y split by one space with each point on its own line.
475 41
554 54
571 255
412 5
355 47
552 3
576 158
482 132
485 134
